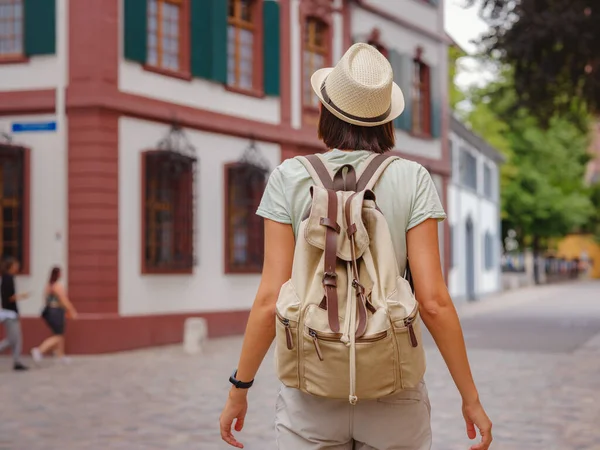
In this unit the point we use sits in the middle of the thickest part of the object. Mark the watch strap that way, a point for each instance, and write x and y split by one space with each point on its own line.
240 384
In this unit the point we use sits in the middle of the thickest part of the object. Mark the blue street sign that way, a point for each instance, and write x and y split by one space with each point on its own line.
24 127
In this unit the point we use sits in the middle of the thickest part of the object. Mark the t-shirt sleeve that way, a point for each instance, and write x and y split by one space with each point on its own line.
273 204
426 203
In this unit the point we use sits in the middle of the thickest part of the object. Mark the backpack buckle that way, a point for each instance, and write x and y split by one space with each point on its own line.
330 279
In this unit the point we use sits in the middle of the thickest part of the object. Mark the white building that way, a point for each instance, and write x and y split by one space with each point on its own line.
474 215
126 127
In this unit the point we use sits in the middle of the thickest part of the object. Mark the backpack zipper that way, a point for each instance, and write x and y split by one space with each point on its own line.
408 322
315 339
335 337
288 332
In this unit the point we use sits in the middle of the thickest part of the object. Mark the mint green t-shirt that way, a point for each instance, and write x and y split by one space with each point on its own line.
405 194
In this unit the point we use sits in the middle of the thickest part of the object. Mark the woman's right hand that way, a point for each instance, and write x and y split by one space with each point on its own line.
475 416
235 409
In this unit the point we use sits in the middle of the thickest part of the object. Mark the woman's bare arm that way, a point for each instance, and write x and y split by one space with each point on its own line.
260 330
64 300
441 319
277 269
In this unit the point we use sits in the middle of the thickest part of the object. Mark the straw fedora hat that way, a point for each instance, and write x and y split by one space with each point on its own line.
360 89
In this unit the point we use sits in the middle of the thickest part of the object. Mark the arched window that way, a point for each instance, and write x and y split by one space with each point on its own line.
421 97
168 212
244 230
13 204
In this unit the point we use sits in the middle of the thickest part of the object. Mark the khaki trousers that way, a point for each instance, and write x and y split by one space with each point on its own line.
397 422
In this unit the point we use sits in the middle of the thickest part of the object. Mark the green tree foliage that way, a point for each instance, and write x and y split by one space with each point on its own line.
543 194
552 46
455 53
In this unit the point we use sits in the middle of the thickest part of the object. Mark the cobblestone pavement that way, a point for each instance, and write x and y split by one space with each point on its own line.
539 396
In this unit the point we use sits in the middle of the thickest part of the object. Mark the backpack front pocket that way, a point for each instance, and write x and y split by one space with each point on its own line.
411 354
286 335
286 351
326 369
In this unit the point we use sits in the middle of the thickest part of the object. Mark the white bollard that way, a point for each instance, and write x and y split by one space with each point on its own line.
195 333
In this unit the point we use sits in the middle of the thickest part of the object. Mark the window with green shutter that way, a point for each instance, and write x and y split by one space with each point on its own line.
39 23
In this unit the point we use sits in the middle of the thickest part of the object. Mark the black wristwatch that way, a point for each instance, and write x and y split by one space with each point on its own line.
240 384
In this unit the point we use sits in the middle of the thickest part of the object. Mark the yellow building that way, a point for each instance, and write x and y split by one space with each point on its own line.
583 247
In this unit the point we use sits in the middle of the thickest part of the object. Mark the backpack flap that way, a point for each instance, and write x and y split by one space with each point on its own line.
315 231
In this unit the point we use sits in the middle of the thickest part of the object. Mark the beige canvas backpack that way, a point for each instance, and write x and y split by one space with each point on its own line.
348 324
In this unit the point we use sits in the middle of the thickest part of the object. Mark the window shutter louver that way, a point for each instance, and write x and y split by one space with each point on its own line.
209 39
136 22
271 47
436 102
402 65
39 18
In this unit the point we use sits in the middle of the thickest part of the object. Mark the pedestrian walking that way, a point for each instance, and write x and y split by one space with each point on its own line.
57 305
9 314
337 294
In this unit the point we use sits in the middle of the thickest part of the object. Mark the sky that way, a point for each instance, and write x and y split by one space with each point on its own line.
464 25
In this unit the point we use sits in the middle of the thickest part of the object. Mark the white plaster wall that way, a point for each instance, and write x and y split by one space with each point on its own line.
403 40
418 12
338 37
208 288
44 71
41 72
484 212
197 93
489 221
48 206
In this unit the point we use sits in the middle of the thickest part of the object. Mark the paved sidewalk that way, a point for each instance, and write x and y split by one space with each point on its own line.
163 399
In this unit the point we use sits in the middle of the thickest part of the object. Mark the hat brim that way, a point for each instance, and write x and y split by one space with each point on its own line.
396 109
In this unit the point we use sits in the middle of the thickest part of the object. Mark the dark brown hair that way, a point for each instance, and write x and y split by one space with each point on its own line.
54 275
336 133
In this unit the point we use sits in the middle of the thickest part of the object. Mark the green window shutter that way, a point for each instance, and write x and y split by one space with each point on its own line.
136 21
403 67
209 39
435 83
39 17
271 47
219 42
200 36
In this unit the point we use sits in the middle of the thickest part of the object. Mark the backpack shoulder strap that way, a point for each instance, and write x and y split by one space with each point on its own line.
317 170
371 173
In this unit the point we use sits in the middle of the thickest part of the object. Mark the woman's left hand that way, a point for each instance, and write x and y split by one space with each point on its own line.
235 408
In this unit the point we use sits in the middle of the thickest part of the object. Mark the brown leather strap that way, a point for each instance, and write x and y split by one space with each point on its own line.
370 171
330 276
361 301
347 183
321 170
